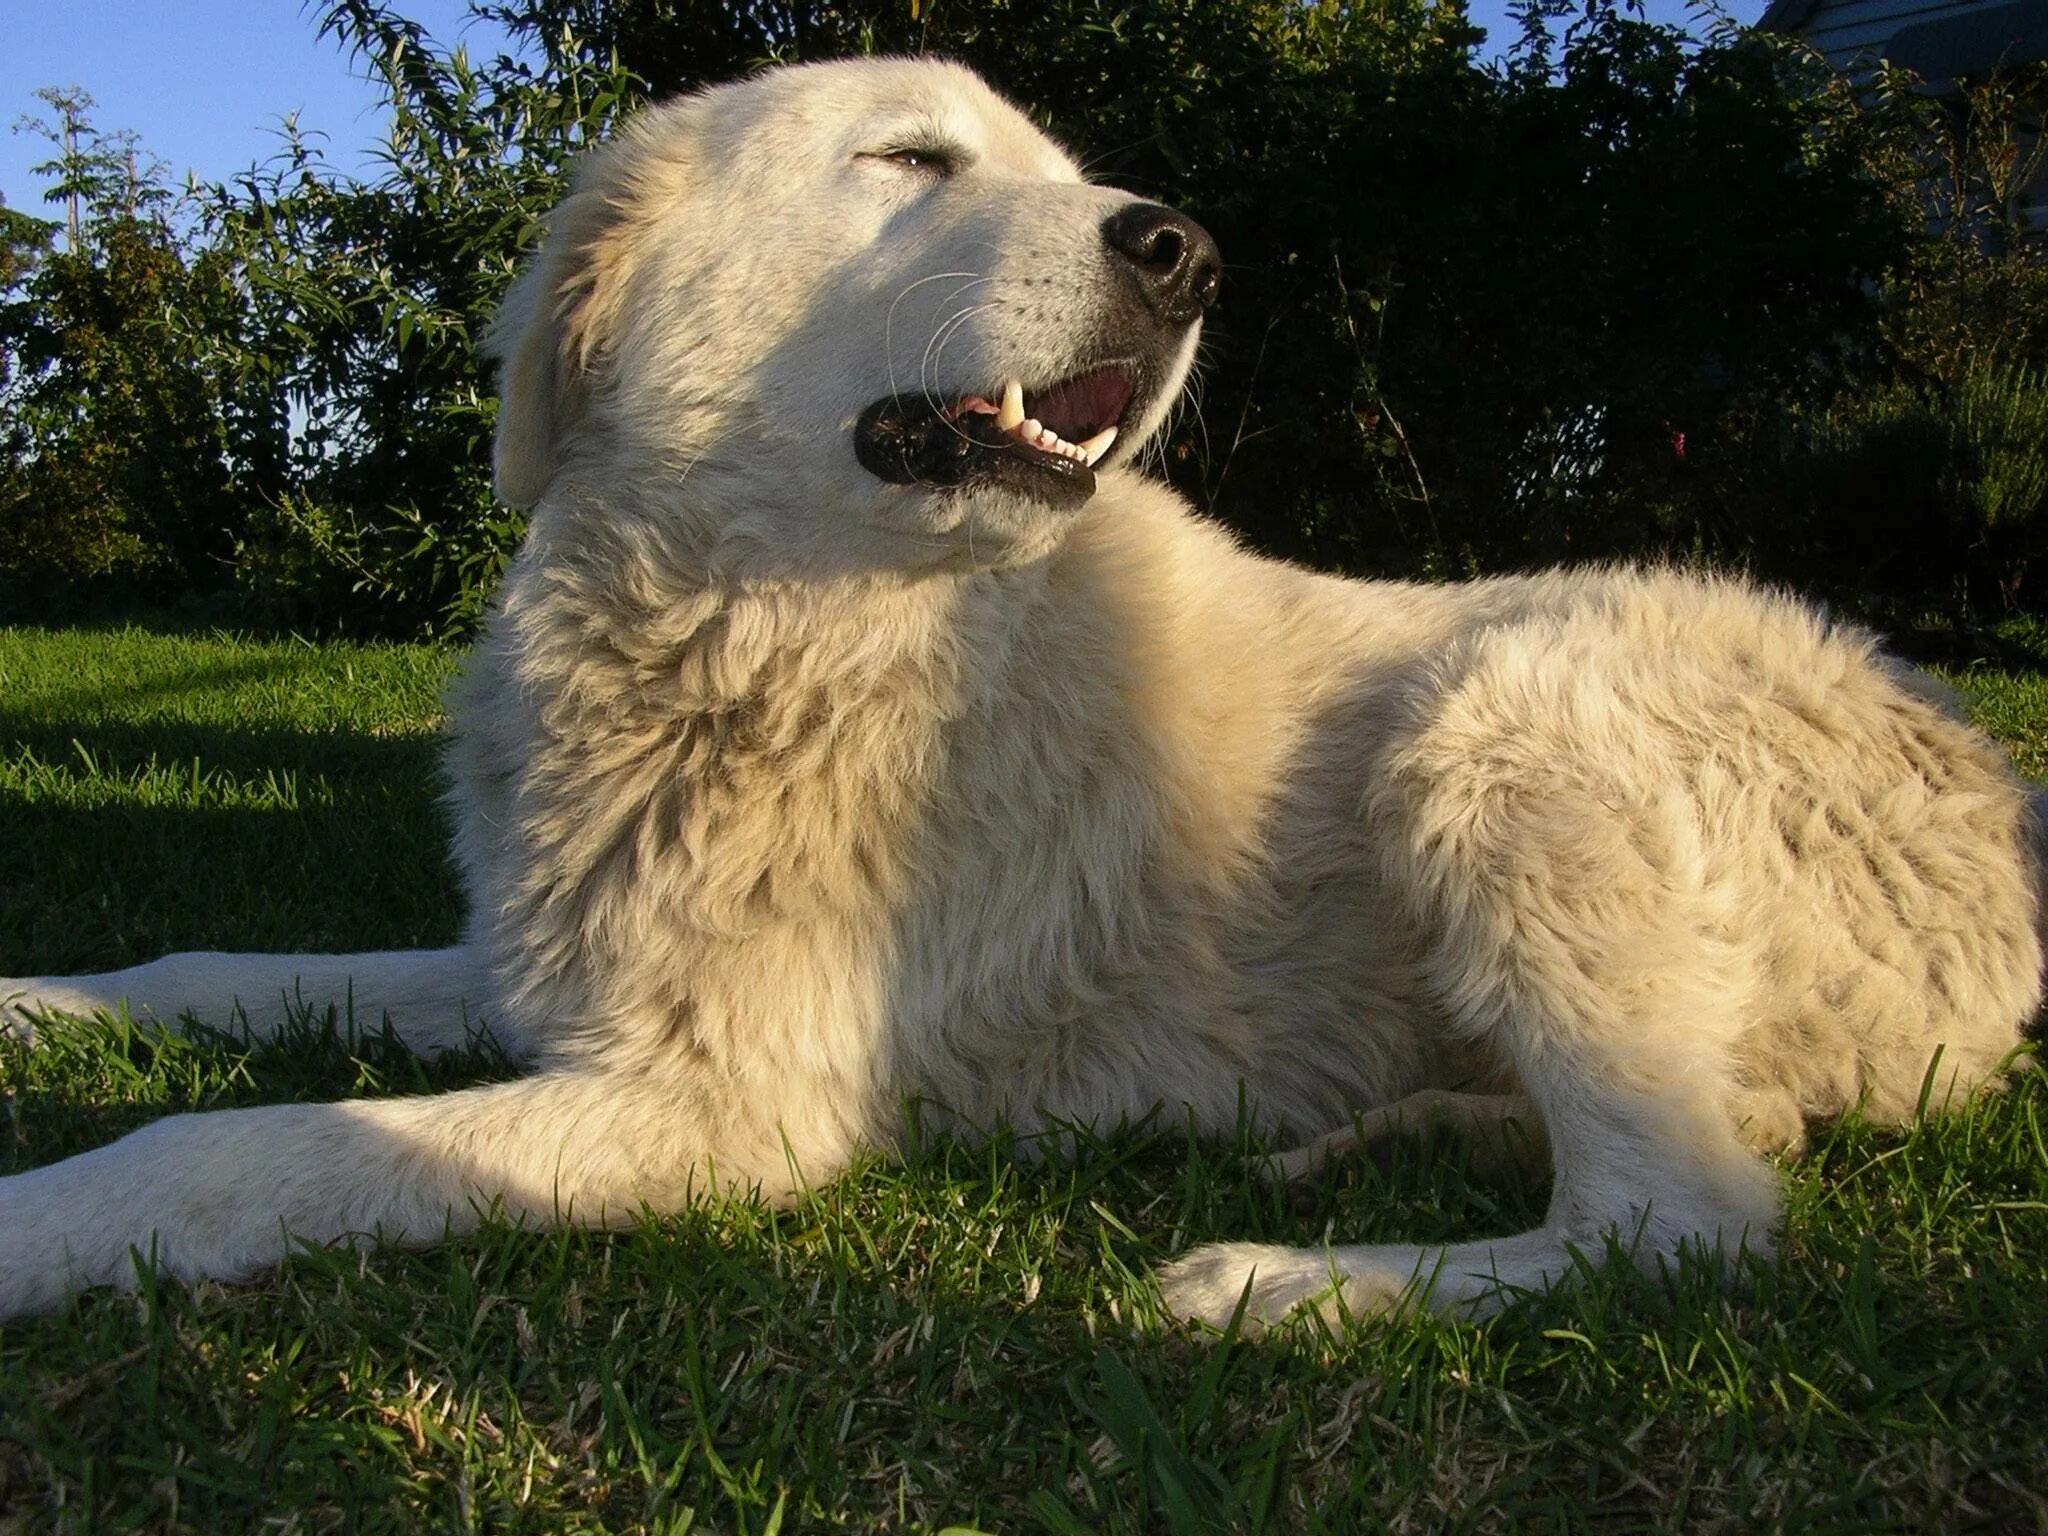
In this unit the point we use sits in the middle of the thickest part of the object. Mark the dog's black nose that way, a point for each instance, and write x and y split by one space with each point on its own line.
1177 265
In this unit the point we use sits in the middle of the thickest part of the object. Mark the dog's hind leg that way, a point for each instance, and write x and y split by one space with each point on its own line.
228 1193
1629 1171
1501 1132
1597 952
436 999
1647 1157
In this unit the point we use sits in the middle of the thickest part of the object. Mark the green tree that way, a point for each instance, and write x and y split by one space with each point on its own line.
113 461
24 241
365 396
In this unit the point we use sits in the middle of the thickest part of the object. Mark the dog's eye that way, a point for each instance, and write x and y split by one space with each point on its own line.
927 161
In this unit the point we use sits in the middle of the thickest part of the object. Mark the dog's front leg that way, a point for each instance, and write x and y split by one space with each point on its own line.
228 1193
437 999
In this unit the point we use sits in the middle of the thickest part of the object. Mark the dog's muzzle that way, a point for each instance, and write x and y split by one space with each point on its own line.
1046 441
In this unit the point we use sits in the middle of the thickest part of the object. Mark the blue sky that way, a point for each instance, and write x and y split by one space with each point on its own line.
205 82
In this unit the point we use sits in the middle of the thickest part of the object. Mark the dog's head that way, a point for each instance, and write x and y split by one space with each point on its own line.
848 316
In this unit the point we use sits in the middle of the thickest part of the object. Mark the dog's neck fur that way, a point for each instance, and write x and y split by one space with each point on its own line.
788 655
745 760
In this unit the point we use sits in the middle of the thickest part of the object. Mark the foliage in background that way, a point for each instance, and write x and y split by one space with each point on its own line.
1623 295
113 459
1913 486
1929 476
369 300
281 391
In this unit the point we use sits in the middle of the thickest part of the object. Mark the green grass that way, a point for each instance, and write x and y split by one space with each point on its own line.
964 1338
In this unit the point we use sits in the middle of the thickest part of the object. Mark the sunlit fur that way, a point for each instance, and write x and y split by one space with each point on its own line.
783 794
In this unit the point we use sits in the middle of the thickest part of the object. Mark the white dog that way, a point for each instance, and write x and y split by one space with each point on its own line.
856 723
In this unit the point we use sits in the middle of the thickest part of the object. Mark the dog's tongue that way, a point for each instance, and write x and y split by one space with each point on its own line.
1083 405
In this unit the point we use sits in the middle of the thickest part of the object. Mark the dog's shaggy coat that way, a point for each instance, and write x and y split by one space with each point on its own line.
784 790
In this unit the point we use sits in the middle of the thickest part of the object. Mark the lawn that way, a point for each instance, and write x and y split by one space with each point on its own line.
963 1339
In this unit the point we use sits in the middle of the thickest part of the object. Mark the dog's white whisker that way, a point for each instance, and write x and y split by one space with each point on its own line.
889 319
941 333
934 348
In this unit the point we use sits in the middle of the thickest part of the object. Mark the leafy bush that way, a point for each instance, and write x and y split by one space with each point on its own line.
1920 477
1938 488
368 301
112 456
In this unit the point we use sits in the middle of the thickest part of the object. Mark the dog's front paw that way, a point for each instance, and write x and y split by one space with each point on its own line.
1275 1284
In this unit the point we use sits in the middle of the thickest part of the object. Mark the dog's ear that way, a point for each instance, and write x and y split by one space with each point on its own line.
555 324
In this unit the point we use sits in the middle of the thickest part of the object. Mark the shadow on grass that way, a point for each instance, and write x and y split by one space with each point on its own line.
91 703
124 842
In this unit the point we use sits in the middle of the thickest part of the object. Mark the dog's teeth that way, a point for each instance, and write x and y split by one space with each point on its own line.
1036 434
1011 416
1096 446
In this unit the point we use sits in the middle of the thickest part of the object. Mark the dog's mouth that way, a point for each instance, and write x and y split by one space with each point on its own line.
1044 443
